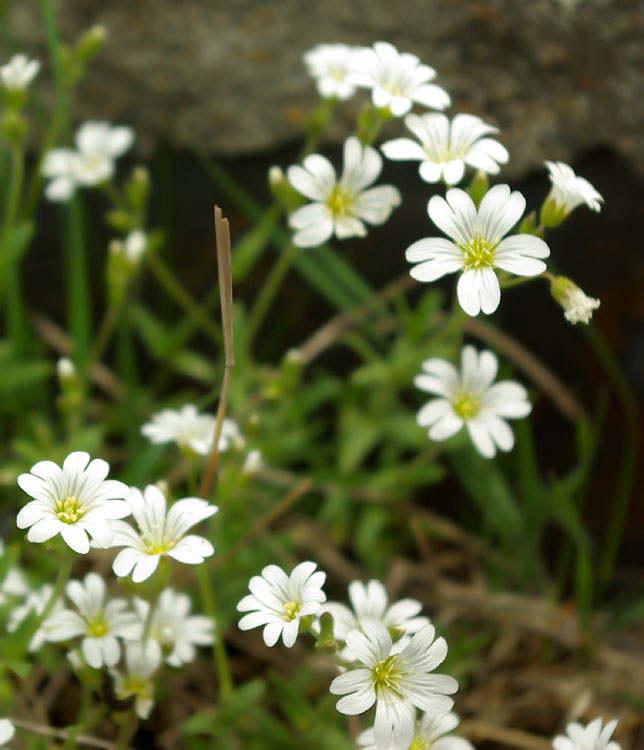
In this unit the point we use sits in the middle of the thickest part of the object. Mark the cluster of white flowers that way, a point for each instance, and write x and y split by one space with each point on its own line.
91 163
478 247
77 500
392 673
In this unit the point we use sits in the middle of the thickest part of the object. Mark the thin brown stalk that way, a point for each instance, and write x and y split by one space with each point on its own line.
224 267
273 514
80 739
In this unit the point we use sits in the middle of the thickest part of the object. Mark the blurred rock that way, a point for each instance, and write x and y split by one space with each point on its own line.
227 76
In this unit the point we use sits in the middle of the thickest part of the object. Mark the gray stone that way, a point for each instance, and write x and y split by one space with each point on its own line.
227 76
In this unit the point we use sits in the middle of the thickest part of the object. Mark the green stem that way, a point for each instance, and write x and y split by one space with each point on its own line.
628 465
16 318
181 296
219 647
269 290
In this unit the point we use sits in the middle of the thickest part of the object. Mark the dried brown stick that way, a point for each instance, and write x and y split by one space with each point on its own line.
224 267
79 739
273 514
482 730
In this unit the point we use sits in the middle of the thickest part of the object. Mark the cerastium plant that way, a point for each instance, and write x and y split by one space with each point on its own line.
122 621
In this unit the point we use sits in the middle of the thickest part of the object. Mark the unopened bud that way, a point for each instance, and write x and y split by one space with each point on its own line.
90 42
578 307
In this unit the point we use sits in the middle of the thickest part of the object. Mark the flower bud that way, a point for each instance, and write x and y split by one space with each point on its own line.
478 187
578 308
90 42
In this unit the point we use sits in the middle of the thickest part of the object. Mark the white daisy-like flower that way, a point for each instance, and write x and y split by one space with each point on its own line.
341 206
19 72
98 144
395 682
429 734
160 533
477 246
193 432
278 601
6 731
568 191
446 147
578 307
176 631
396 79
142 661
330 64
371 600
100 624
35 602
469 398
590 737
75 501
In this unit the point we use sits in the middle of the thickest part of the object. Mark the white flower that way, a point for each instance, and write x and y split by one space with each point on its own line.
14 584
429 732
173 628
279 602
73 501
91 163
35 602
19 72
396 79
395 682
142 661
330 64
446 148
193 432
135 245
98 144
60 165
477 246
159 534
340 207
469 398
370 600
100 624
590 737
569 191
6 731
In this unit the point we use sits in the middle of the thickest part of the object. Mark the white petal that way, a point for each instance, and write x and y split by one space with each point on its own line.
478 289
481 438
518 254
401 149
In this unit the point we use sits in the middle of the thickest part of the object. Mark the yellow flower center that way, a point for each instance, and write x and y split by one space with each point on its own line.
133 685
69 509
479 253
98 628
385 675
465 405
340 201
291 610
420 743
